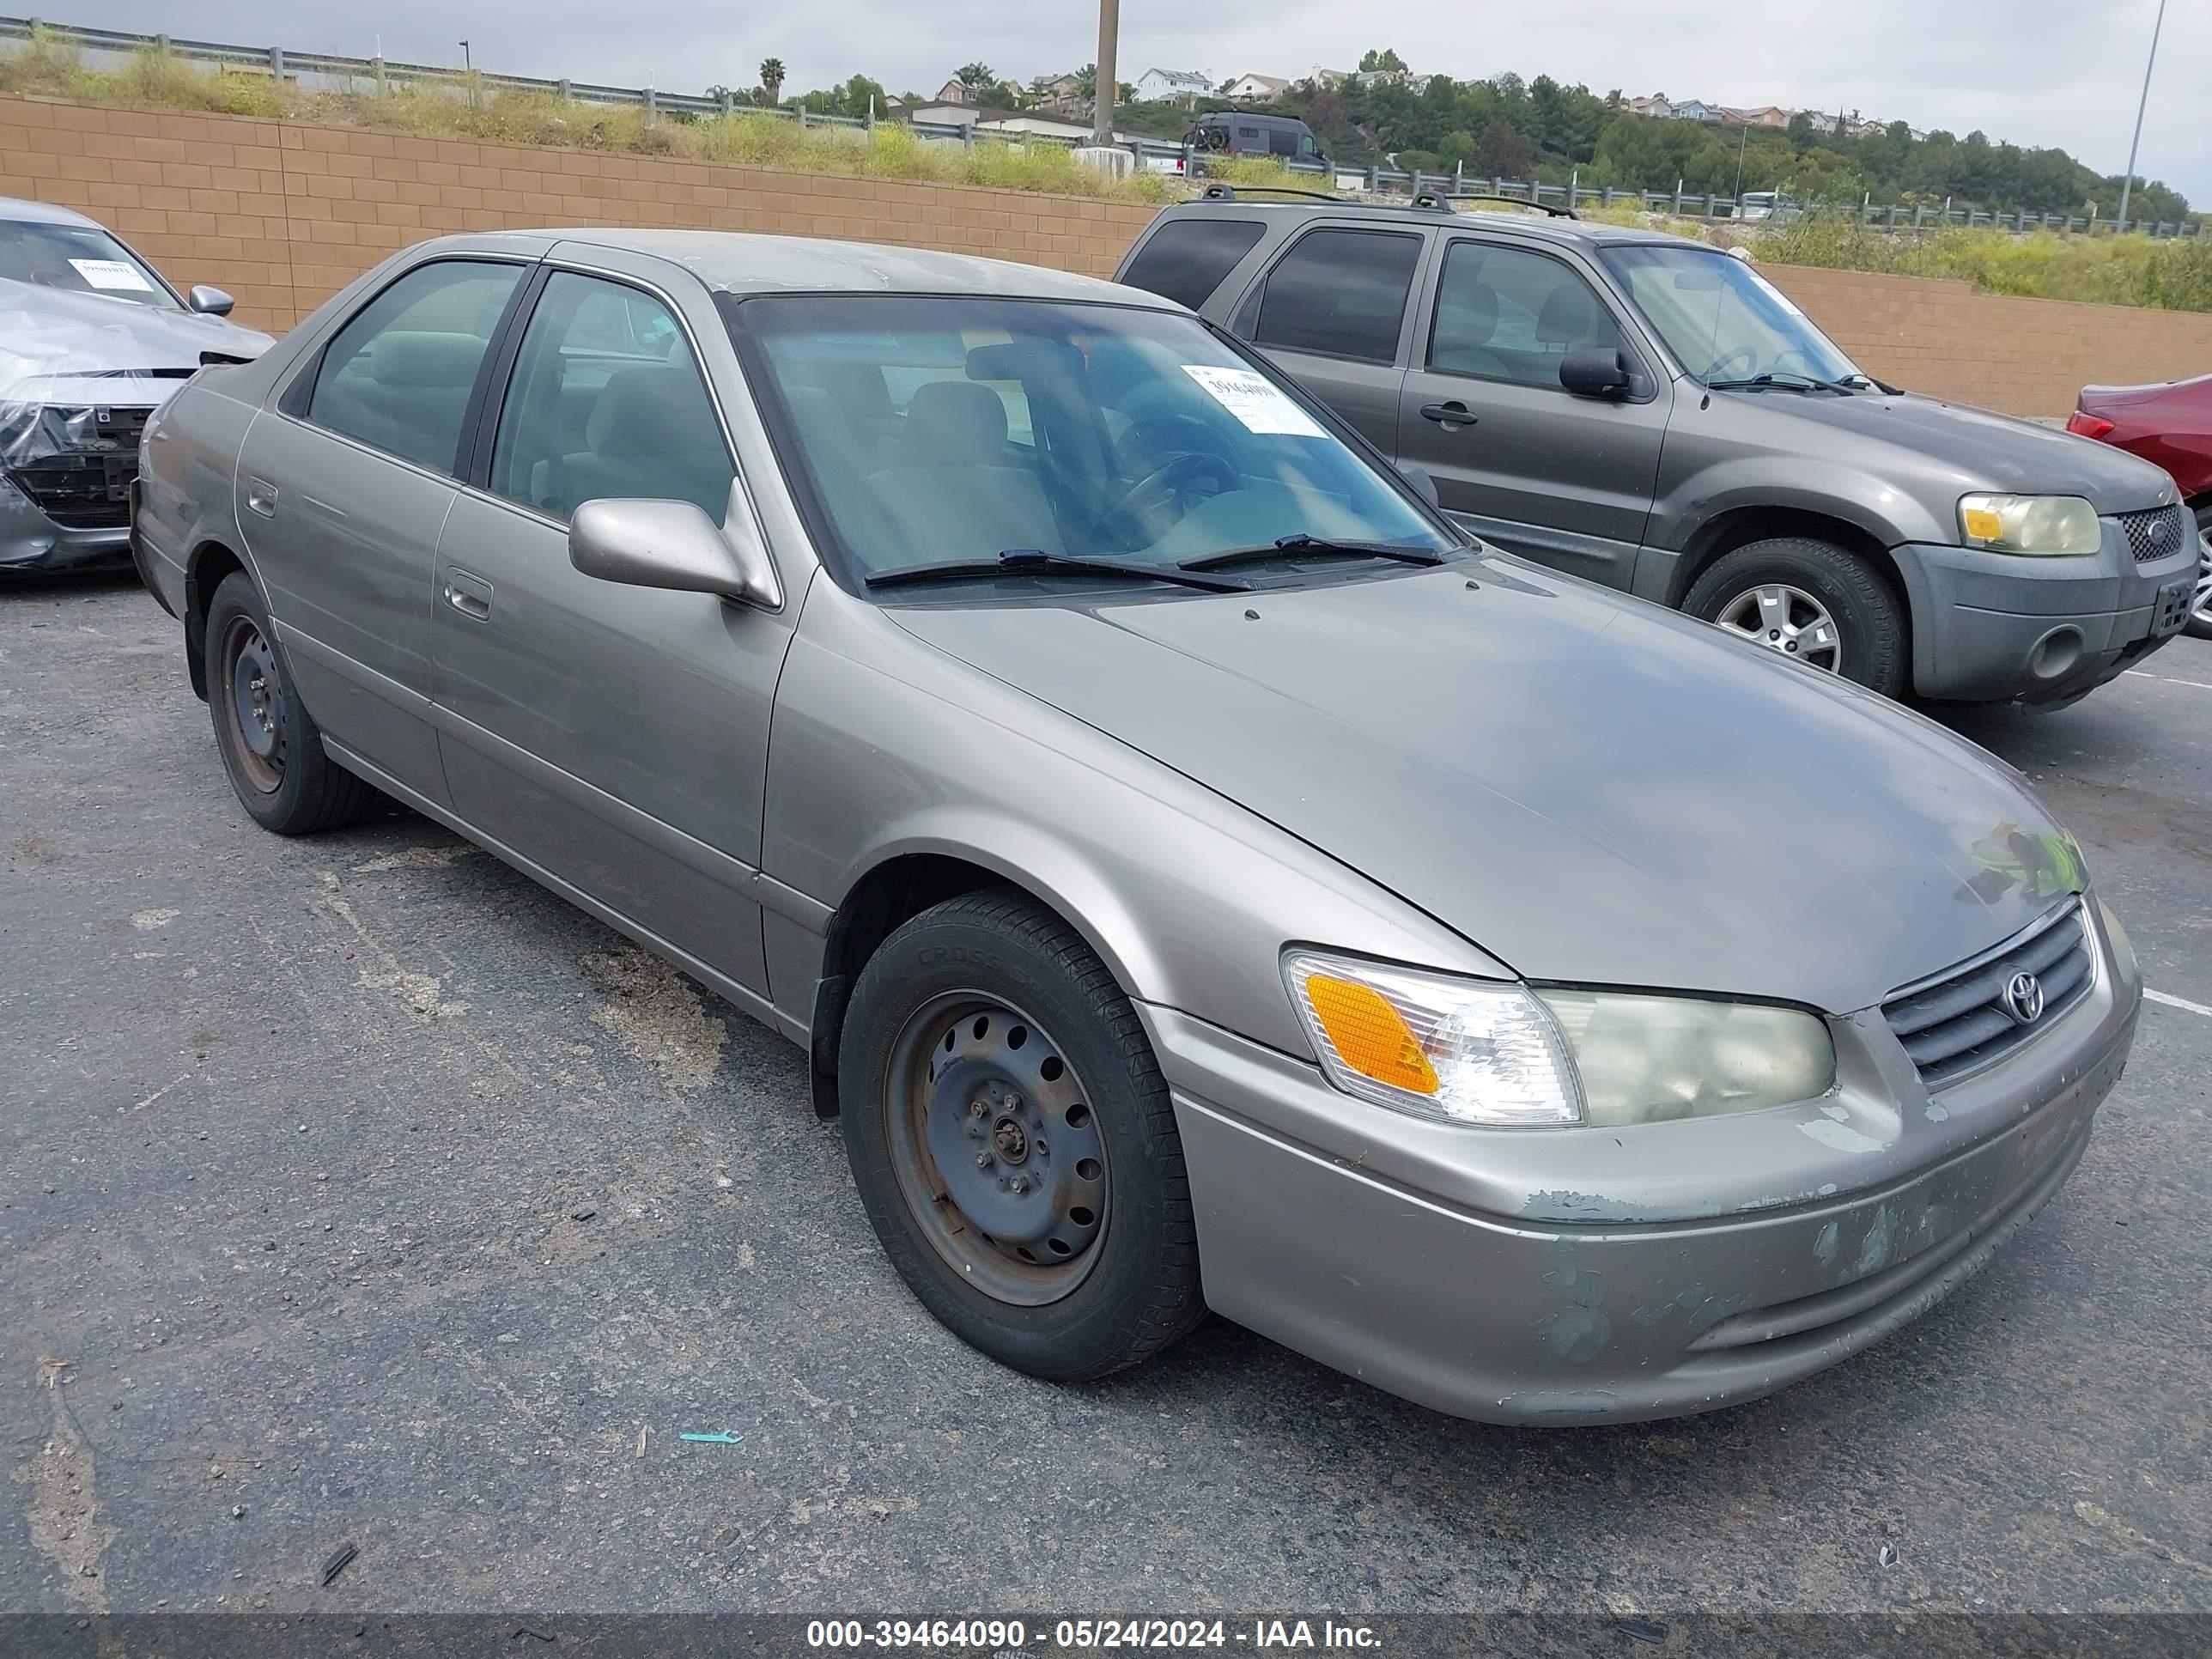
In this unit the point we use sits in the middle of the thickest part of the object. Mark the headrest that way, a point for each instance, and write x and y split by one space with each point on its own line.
424 357
1467 314
1566 316
650 411
859 388
955 422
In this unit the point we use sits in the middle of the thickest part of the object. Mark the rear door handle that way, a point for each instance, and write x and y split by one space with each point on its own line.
468 593
1451 414
261 497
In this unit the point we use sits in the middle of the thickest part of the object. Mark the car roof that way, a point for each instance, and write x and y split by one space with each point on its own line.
1584 232
741 262
15 210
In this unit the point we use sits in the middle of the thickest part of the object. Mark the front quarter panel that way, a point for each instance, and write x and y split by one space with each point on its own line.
884 747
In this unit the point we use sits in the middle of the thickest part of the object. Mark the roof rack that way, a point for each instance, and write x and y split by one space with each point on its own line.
1226 192
1441 201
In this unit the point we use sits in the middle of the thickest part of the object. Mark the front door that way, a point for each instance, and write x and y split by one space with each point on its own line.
342 491
1517 459
616 737
1331 311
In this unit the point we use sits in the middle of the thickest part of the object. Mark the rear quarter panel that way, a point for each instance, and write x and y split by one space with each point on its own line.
186 499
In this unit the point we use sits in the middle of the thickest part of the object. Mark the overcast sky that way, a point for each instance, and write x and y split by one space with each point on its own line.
2063 72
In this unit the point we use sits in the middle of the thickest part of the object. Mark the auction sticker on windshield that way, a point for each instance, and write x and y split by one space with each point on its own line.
1253 400
113 274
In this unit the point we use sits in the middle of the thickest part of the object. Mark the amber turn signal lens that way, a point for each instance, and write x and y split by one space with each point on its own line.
1369 1035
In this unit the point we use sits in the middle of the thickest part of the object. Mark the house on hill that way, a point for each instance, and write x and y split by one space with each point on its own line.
1187 85
1256 88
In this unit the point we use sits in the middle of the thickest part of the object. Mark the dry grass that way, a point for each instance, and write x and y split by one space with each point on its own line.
458 108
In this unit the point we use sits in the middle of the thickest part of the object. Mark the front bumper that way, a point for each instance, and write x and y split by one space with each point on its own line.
1569 1277
1993 626
33 544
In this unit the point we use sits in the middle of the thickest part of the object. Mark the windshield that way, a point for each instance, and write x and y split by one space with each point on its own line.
82 257
1722 320
925 430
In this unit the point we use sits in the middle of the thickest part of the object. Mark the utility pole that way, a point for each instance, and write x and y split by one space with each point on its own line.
2128 183
1109 31
1742 146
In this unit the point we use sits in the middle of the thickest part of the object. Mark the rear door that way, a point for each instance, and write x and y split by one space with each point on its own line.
1517 458
343 488
1331 311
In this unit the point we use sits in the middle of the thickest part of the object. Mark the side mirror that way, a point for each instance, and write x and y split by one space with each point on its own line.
208 301
1596 372
674 545
1424 481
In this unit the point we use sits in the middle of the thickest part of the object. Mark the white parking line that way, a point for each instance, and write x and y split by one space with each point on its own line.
2179 1002
2168 679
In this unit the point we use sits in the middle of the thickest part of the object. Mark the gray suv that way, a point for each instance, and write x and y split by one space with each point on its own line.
1651 413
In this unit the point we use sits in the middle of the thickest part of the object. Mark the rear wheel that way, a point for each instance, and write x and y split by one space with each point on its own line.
2199 626
269 746
1013 1142
1811 601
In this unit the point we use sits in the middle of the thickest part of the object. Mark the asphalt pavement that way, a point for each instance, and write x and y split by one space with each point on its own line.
354 1190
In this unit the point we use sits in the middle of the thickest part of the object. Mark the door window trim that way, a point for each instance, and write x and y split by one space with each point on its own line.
1255 296
299 388
1631 336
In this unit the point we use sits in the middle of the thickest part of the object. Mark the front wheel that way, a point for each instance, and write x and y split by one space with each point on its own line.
1811 601
1013 1142
2199 626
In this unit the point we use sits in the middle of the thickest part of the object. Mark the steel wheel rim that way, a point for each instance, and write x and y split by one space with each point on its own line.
1786 619
2201 607
252 704
996 1148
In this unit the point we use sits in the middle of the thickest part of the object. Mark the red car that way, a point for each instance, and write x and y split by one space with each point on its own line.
2170 425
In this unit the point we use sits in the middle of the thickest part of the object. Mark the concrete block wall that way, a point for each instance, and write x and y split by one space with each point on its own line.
282 215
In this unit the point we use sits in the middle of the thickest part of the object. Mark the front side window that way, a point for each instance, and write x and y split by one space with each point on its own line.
398 376
606 401
1503 313
1340 293
1723 321
1186 258
79 259
1142 437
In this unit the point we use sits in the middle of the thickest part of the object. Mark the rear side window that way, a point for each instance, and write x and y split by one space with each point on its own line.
1340 293
398 377
1186 258
1282 141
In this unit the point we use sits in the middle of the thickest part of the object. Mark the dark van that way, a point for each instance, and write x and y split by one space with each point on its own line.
1238 132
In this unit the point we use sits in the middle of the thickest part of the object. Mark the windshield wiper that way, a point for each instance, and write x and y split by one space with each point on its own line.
1788 380
1031 561
1303 546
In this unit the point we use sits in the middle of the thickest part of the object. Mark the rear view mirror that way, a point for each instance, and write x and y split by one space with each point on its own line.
208 301
674 545
1594 372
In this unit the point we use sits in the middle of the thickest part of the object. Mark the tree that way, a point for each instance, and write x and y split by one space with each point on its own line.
1385 59
977 78
1503 153
771 75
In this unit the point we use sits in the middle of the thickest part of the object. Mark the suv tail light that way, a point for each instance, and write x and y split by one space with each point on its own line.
2088 425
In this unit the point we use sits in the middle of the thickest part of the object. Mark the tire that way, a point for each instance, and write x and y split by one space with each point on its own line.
282 777
1035 1032
2199 625
1868 622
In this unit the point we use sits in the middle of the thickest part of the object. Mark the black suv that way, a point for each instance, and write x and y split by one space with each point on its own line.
1650 412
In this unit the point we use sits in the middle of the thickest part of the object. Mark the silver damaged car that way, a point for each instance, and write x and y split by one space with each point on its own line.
1201 876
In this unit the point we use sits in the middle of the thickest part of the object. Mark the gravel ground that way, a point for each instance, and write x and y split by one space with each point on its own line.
352 1189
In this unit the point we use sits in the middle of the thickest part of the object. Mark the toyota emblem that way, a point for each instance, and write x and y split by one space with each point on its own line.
2023 998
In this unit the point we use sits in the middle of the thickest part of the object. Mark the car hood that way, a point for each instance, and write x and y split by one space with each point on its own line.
1590 788
1974 449
50 339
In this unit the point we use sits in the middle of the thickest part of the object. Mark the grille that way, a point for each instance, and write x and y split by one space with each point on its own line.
2156 533
87 486
1960 1024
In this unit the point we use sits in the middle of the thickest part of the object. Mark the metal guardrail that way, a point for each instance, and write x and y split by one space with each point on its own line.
338 72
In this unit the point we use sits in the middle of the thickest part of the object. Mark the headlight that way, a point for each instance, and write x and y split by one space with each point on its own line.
2029 524
1472 1051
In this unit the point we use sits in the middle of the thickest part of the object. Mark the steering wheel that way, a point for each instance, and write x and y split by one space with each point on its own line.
1173 482
1750 355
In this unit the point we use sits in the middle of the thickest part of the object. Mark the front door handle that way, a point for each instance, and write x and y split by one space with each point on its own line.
1452 414
261 497
468 593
